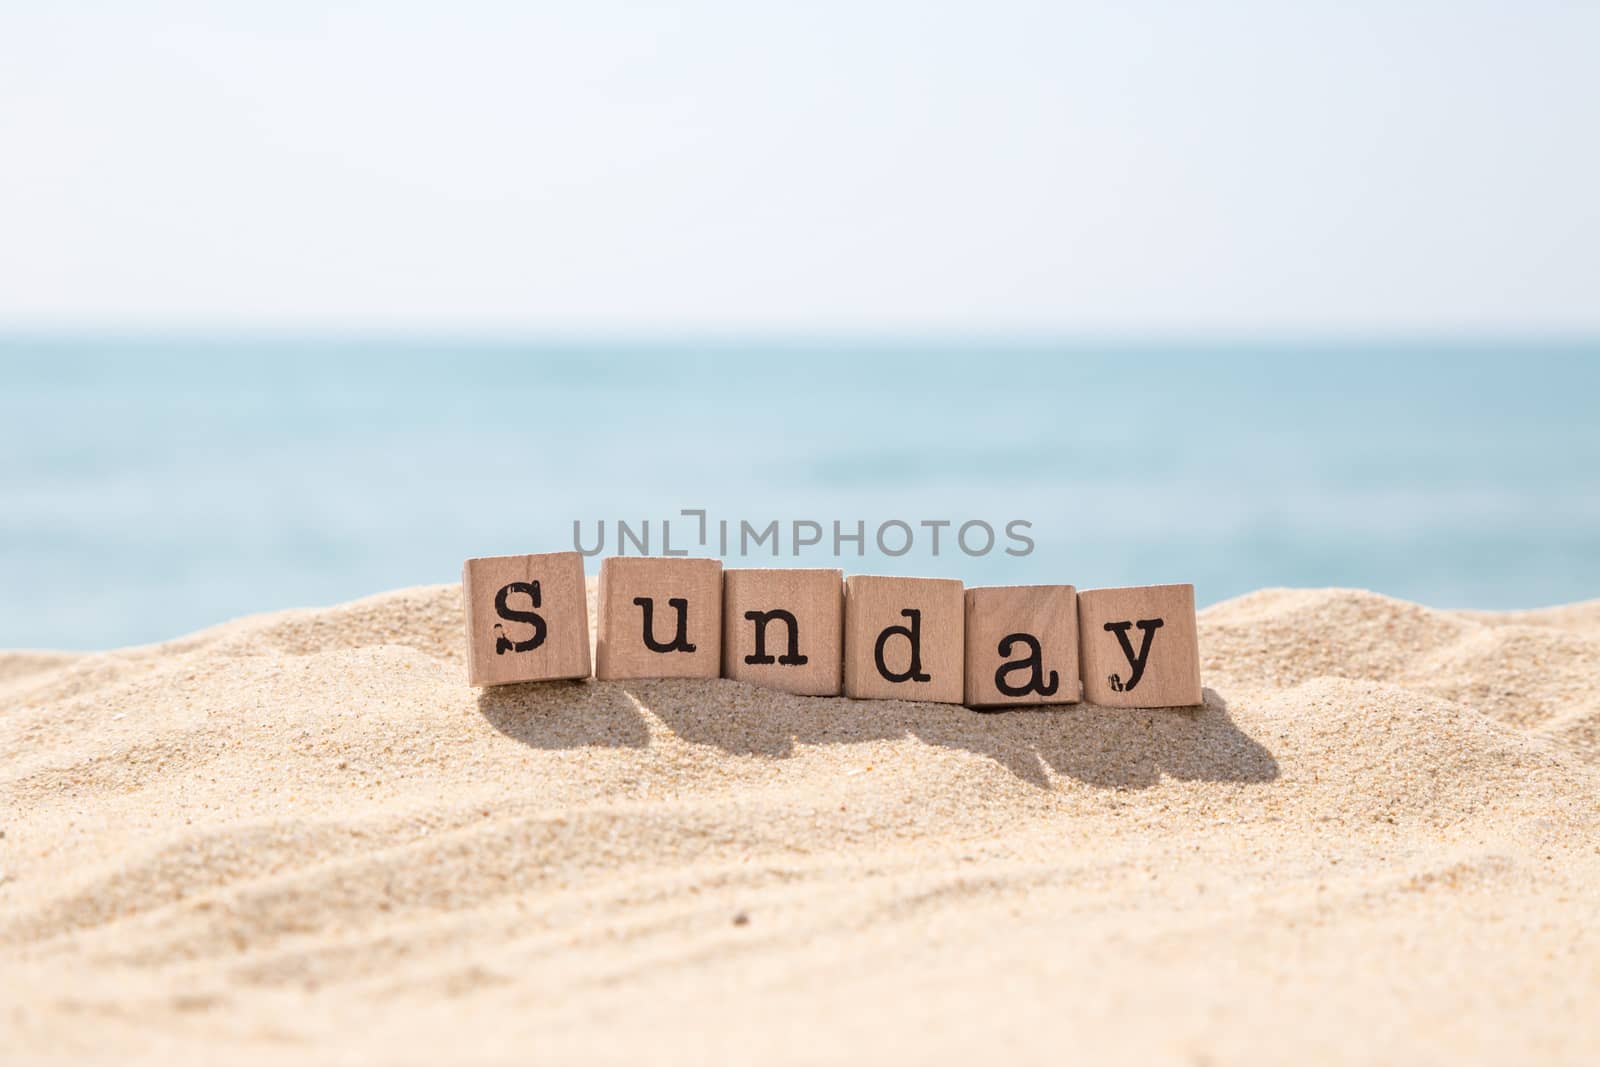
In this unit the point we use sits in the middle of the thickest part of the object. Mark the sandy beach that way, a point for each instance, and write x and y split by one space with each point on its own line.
302 838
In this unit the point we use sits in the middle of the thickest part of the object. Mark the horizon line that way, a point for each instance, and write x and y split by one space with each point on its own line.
774 335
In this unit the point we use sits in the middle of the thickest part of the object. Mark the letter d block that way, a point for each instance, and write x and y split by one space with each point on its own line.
527 618
784 629
1140 646
659 618
1022 645
903 638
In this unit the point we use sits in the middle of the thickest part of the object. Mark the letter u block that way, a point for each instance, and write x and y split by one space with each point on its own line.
1022 645
903 638
1140 646
527 618
784 628
659 618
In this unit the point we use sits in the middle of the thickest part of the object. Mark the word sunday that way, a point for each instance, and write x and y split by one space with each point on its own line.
816 632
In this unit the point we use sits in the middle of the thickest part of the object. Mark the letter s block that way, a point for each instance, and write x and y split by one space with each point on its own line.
1140 646
903 638
784 628
659 617
527 618
1022 645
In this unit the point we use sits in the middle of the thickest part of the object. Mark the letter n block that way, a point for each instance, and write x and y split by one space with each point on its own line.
1140 646
659 617
1022 645
903 638
784 629
527 618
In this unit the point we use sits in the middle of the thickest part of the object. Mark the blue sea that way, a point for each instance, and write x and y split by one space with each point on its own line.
153 485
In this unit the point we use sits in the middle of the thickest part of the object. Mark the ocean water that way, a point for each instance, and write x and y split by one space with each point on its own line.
152 485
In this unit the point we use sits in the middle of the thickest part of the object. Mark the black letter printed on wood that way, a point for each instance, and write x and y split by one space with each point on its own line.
1022 645
659 617
784 628
527 618
1140 646
903 638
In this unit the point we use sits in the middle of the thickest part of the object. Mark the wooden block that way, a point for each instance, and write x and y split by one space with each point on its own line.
903 638
659 617
1022 645
527 618
784 629
1140 646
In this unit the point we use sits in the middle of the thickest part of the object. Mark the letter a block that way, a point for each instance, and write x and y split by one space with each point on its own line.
1140 646
659 618
527 618
1022 645
784 629
903 638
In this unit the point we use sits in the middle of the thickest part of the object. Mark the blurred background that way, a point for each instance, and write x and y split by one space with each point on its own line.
302 303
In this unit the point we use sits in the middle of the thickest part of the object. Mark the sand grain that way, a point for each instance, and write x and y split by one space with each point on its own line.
302 834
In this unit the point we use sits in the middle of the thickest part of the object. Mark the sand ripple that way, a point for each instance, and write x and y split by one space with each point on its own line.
302 835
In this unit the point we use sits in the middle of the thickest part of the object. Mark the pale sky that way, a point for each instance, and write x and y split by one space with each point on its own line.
593 166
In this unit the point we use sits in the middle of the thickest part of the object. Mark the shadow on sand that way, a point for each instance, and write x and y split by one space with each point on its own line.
1107 747
565 714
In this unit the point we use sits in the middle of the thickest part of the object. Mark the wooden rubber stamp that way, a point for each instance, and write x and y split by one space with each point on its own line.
1140 646
1022 645
527 618
784 629
903 638
659 617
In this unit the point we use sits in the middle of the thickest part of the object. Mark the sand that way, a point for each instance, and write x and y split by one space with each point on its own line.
301 838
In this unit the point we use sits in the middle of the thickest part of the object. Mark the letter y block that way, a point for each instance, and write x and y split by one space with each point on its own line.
1140 646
